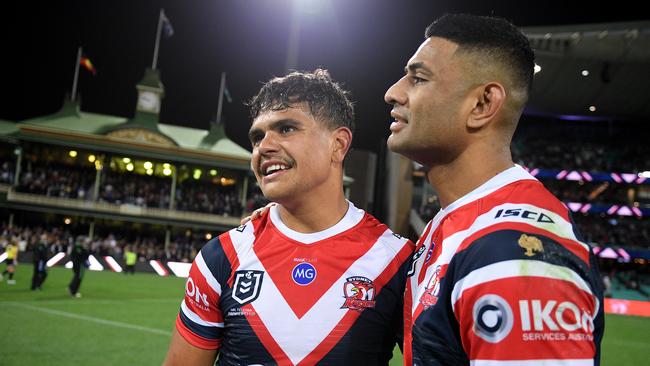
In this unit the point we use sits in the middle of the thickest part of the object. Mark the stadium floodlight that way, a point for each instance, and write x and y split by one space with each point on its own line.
197 174
130 167
148 165
126 160
208 236
167 171
592 108
72 153
213 172
91 158
537 69
149 171
585 72
67 221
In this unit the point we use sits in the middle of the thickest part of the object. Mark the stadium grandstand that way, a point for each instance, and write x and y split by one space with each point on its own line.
163 190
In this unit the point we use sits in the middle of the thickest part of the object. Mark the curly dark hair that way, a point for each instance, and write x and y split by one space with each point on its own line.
327 100
496 38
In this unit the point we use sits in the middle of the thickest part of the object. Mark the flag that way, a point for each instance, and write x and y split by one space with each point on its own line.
167 29
85 62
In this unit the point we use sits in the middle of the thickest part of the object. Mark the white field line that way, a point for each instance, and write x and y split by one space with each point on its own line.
91 319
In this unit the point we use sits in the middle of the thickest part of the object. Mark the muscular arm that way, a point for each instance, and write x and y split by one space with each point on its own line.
182 352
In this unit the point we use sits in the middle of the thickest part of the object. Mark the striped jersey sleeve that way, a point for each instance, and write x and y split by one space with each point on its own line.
200 320
525 290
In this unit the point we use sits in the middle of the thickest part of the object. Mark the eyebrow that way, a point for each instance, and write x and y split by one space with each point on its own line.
254 132
415 67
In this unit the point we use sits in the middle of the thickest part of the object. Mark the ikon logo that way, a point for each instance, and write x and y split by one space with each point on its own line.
247 286
553 316
193 291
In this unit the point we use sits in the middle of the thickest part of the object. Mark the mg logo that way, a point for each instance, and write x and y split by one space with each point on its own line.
192 291
303 273
247 286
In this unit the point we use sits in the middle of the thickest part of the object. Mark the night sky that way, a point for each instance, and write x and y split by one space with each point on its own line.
363 43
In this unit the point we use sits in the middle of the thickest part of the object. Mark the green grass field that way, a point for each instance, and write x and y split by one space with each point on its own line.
127 320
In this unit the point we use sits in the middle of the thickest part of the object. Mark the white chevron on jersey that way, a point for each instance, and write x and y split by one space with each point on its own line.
298 337
209 278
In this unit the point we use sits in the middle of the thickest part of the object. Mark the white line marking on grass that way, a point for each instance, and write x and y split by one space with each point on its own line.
92 319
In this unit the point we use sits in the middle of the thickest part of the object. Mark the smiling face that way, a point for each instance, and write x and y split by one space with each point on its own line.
292 154
429 104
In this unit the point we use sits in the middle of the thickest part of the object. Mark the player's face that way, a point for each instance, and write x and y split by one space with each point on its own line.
428 104
292 153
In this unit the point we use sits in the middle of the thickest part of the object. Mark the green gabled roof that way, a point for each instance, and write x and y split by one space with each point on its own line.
7 128
193 138
73 127
71 118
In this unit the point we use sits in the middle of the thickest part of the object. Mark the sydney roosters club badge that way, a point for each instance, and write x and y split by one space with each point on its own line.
430 295
359 293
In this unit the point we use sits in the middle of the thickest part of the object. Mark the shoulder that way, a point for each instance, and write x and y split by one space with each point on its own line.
383 236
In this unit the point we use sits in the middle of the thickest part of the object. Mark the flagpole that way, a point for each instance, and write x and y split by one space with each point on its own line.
155 50
221 91
76 75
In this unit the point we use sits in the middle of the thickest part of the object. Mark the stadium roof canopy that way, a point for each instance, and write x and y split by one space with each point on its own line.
141 135
606 66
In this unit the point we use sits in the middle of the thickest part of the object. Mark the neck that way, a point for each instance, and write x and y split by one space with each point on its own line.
313 215
470 170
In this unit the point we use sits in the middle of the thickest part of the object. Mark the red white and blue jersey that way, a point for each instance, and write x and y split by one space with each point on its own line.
264 294
501 277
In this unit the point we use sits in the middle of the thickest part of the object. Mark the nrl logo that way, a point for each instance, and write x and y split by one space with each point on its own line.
247 286
531 244
359 293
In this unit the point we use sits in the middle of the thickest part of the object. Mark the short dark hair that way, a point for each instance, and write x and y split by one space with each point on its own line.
493 35
326 99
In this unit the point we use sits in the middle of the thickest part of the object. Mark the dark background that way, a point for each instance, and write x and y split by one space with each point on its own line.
364 44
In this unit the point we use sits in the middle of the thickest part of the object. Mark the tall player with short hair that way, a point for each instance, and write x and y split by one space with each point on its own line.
500 274
315 280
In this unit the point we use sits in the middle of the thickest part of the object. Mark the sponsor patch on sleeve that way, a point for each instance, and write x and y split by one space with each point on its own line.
518 314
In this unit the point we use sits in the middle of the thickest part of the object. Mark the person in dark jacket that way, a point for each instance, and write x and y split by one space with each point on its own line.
40 259
79 255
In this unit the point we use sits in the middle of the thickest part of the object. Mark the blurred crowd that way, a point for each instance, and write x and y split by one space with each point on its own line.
69 181
182 247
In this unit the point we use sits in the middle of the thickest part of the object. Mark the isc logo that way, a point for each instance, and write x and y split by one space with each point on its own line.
192 291
524 214
303 274
553 316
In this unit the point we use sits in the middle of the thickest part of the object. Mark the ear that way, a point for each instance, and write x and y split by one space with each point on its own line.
342 140
490 98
